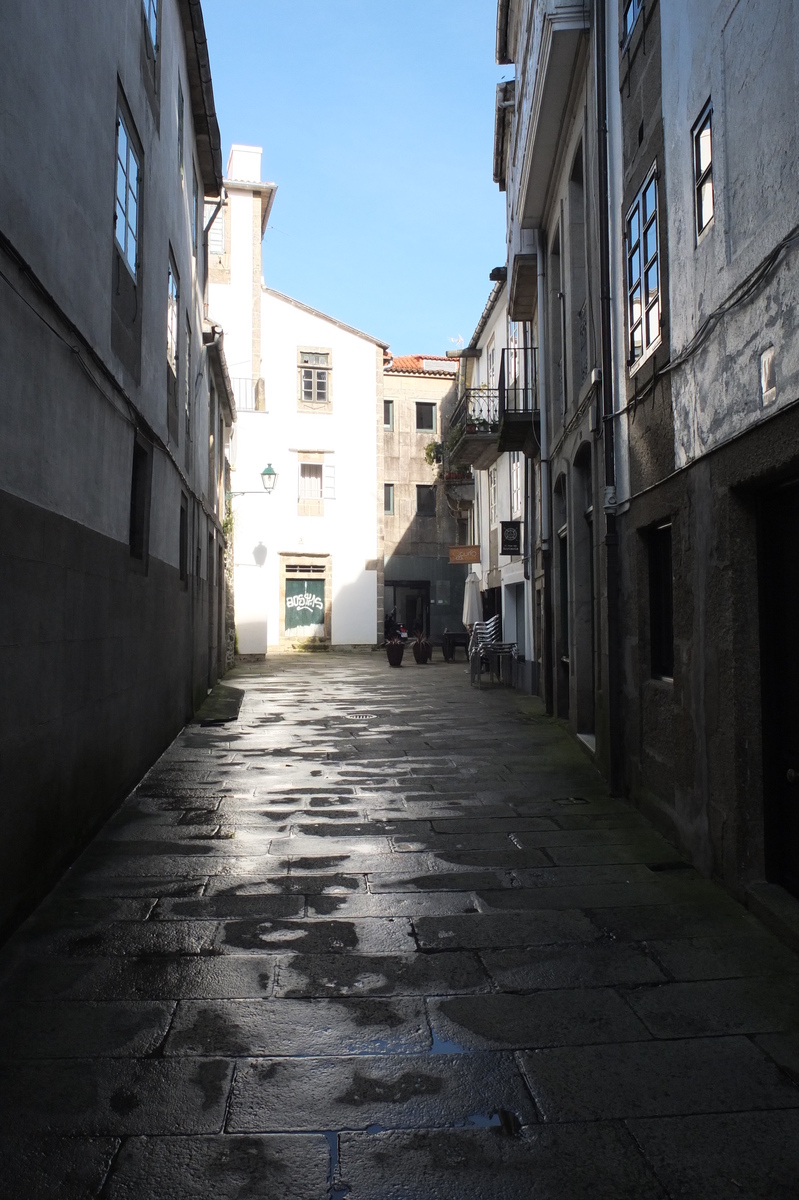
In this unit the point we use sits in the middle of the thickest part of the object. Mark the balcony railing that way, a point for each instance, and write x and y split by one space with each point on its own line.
518 381
248 394
477 411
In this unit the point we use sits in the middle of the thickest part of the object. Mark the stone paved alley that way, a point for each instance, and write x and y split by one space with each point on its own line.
384 936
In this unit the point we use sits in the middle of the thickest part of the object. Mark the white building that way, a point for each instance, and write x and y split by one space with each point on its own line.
493 366
309 396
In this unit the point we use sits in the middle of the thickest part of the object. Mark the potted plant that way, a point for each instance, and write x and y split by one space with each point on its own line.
395 648
422 648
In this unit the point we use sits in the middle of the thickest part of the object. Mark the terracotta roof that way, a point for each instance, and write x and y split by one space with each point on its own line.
414 364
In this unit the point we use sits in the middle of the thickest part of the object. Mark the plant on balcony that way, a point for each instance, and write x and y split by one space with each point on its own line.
434 453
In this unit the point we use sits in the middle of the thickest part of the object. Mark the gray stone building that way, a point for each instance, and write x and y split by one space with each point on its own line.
649 154
709 543
115 410
423 514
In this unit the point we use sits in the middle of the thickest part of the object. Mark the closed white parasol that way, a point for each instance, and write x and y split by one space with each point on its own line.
472 604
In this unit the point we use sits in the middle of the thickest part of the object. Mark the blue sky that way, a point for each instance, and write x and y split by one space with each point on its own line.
376 118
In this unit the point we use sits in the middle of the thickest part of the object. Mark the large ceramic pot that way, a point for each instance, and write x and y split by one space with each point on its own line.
422 651
394 653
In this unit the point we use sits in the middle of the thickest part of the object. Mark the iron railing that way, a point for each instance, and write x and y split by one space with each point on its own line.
518 380
477 411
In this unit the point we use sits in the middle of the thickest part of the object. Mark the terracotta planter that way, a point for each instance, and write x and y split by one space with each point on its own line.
394 653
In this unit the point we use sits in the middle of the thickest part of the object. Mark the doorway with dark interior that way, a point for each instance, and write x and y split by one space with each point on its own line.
411 598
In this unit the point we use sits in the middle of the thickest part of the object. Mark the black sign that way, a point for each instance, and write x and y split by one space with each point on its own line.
511 537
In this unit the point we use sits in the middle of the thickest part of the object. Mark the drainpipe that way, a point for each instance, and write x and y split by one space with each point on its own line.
546 531
613 675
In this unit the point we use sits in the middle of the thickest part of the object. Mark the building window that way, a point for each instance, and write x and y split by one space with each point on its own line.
173 296
126 219
187 384
703 171
183 541
388 414
492 496
216 234
181 107
315 377
425 418
426 500
491 364
516 483
151 17
631 11
643 272
311 503
388 499
141 475
195 210
172 403
661 629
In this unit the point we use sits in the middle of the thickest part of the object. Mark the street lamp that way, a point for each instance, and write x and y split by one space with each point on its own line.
268 479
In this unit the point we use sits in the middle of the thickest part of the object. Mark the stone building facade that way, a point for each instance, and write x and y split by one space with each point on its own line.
426 506
708 100
116 407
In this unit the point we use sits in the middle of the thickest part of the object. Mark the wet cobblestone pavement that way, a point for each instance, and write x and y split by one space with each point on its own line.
386 937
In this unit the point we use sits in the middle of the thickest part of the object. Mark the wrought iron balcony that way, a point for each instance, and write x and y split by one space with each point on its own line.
519 419
475 423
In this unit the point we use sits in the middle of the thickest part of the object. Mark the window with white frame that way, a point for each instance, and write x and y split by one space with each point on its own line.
643 272
516 483
151 17
492 496
173 297
491 364
216 234
631 14
388 499
126 217
311 502
388 414
703 170
314 368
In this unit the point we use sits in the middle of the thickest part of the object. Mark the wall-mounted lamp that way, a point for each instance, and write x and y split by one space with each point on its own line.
268 479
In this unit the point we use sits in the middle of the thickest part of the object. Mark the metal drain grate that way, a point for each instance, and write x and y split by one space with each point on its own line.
361 716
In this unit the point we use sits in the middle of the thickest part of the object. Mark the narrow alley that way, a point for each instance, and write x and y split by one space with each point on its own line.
378 934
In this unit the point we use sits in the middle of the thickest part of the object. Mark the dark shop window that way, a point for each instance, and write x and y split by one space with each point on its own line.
183 546
661 627
425 500
138 537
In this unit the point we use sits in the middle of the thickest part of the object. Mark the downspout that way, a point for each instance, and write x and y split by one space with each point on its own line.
206 230
608 432
546 531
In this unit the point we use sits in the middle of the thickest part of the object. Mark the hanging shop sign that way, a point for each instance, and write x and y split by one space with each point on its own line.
511 537
464 554
305 608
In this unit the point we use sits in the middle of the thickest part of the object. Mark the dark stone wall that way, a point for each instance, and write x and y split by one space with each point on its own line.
693 748
100 666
